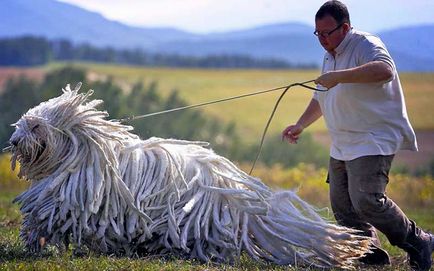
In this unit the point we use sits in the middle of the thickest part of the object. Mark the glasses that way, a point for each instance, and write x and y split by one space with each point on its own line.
326 34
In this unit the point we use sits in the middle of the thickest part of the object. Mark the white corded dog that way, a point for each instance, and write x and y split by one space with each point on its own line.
96 184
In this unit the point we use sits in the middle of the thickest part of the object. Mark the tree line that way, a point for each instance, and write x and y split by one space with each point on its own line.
30 51
21 94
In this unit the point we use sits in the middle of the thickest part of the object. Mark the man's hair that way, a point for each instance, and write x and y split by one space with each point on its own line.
335 9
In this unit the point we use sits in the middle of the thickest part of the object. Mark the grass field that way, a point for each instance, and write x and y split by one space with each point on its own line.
415 195
250 114
13 255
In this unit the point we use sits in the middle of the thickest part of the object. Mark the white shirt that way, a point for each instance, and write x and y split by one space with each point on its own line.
369 118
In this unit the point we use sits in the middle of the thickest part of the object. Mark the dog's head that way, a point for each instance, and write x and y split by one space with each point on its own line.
29 142
47 134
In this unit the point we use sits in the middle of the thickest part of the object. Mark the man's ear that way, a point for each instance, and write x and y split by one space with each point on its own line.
346 27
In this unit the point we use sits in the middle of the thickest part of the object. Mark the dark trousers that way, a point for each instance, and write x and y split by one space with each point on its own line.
358 198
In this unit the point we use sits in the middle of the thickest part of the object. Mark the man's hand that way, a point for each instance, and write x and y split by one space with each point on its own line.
328 79
292 133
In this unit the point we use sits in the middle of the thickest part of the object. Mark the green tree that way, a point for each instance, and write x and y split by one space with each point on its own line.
24 51
289 155
18 96
56 80
112 95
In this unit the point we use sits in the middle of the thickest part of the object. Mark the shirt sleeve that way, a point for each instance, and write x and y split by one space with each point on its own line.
323 70
315 95
373 49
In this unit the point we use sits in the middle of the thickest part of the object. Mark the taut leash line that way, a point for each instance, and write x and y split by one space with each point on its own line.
131 118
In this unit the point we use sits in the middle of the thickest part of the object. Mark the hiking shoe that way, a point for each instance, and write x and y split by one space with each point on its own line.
377 257
420 252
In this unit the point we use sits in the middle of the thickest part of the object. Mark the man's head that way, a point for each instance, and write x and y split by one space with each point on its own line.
332 23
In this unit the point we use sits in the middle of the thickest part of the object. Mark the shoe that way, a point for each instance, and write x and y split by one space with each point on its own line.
419 251
377 257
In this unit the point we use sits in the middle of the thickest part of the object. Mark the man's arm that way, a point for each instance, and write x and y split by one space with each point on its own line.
372 72
310 115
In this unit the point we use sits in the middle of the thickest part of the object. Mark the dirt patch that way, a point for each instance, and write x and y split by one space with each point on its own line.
409 159
7 73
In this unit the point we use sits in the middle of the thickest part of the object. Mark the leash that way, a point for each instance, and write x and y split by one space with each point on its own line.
286 88
303 84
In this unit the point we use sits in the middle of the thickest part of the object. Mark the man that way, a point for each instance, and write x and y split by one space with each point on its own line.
365 113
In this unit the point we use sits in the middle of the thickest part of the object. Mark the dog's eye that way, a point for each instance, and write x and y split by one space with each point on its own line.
35 127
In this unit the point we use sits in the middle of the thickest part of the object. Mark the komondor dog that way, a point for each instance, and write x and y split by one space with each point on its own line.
95 184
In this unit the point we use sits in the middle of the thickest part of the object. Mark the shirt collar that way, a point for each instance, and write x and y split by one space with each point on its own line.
341 47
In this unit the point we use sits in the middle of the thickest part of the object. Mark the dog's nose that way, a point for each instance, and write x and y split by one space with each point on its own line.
14 142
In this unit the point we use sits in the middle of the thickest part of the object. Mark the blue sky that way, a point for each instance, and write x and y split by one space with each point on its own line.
205 16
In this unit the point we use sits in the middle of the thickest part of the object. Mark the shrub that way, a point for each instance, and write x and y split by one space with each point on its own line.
8 178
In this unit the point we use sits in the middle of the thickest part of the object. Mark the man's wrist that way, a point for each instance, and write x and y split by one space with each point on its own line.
340 76
301 125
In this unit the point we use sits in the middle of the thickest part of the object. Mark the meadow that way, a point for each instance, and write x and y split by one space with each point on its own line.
415 195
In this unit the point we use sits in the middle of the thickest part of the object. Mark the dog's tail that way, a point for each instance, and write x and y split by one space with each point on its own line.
292 232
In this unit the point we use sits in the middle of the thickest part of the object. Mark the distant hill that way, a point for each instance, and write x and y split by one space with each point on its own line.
411 47
292 42
52 19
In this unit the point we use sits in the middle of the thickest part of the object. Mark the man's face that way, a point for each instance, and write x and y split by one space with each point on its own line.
330 41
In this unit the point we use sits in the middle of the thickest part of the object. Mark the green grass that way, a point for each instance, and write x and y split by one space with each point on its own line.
250 114
14 256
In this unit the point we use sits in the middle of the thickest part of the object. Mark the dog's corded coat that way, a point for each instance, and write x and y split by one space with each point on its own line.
96 184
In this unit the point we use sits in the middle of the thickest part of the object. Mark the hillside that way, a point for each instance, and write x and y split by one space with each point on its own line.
292 42
412 47
53 20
